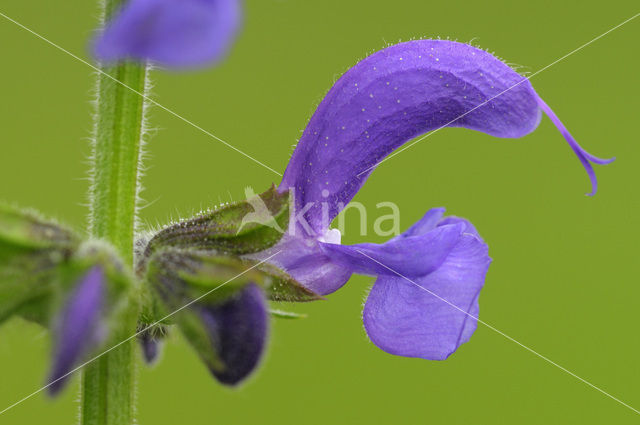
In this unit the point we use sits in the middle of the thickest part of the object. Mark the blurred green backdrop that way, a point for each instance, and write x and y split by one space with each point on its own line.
564 279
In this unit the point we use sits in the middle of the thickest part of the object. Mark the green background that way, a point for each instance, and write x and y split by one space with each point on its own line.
565 275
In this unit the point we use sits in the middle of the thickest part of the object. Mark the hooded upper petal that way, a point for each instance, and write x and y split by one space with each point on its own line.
171 33
393 96
78 326
238 329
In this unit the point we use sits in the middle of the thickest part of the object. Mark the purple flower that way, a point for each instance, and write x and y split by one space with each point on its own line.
228 328
150 345
78 327
425 299
238 331
170 33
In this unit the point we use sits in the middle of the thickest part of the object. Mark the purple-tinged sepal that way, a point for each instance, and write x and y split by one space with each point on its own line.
424 302
173 34
177 277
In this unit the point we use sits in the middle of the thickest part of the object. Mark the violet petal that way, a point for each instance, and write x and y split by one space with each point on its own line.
392 96
430 316
78 327
412 256
150 345
442 256
428 222
170 33
238 329
305 261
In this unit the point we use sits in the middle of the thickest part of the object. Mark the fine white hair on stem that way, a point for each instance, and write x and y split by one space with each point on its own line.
145 134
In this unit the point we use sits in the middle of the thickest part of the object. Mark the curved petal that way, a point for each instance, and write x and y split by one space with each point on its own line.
432 219
238 329
392 96
431 316
307 263
78 327
428 222
411 256
175 34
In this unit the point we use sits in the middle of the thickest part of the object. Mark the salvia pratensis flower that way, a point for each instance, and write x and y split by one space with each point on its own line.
170 33
425 299
79 326
424 302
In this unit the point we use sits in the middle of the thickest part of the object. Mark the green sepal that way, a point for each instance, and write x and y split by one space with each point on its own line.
27 280
236 229
35 285
177 277
26 229
281 314
282 287
33 252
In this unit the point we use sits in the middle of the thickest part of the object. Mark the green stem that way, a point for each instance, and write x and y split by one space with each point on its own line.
108 384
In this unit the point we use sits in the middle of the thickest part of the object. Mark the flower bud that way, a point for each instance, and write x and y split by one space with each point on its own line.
219 304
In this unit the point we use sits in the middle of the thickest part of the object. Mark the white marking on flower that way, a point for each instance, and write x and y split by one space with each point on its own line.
332 236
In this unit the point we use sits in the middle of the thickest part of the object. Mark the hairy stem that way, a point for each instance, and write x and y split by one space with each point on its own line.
108 385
